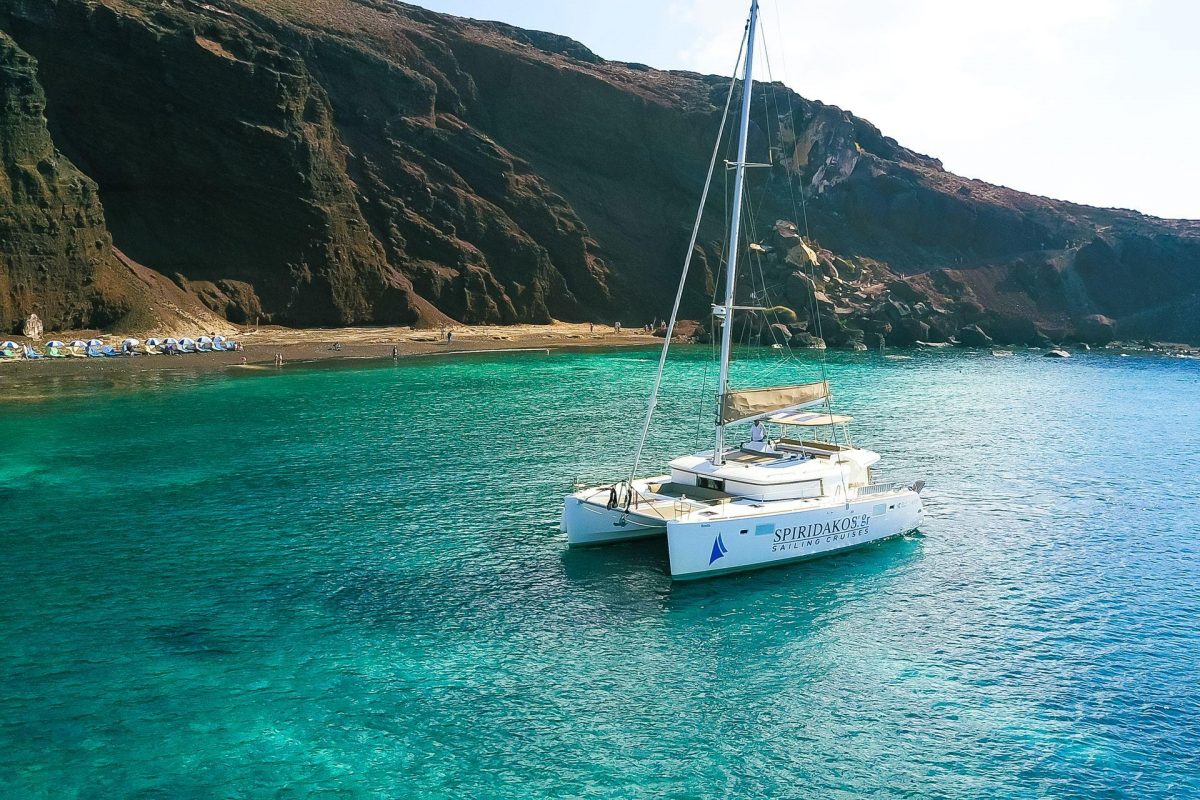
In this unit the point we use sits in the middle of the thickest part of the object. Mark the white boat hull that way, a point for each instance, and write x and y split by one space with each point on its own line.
593 524
700 549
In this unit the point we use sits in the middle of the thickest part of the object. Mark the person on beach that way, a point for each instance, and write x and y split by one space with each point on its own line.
449 335
395 353
591 327
278 359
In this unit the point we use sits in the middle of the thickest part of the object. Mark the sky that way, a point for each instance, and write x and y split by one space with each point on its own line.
1093 101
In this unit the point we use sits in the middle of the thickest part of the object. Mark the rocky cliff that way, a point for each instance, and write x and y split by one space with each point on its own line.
55 252
365 161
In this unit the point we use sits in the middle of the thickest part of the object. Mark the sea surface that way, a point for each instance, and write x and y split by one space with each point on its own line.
346 581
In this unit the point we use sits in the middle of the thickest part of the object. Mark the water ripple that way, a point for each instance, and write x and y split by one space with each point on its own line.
350 583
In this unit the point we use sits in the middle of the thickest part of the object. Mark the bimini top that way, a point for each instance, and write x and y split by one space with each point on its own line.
808 418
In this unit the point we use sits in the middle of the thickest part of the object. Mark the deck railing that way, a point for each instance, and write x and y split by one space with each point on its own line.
881 488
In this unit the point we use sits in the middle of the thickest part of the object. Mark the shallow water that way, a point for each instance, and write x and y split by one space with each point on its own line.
340 582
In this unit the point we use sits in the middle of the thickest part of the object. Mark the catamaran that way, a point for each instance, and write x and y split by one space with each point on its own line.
767 501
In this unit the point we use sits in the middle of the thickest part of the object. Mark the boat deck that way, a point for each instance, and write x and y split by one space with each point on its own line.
666 502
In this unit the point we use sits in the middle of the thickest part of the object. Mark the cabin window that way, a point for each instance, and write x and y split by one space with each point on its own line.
710 483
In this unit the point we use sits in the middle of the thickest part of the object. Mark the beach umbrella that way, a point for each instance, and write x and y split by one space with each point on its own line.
218 339
169 340
54 343
153 342
8 345
130 342
79 343
204 340
95 343
186 340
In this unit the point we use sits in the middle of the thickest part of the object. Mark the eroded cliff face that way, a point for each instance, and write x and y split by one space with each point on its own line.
364 161
297 175
55 252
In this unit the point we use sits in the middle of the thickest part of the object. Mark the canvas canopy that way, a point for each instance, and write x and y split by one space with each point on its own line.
746 403
808 418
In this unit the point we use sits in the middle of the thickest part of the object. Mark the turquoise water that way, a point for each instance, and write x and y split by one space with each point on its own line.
335 582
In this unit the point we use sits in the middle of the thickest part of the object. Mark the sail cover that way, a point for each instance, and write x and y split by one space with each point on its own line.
746 403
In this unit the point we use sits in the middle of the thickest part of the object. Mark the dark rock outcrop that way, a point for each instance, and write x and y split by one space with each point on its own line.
973 336
365 161
55 252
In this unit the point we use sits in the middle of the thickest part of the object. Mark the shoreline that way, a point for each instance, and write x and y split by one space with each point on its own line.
333 344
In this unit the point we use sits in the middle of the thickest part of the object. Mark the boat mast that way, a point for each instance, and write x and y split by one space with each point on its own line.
734 228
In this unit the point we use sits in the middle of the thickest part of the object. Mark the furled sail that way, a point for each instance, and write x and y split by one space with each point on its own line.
745 403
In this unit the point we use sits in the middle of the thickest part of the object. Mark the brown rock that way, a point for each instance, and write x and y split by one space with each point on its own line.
973 336
337 161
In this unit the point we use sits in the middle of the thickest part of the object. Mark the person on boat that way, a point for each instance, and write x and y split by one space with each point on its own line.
758 438
758 432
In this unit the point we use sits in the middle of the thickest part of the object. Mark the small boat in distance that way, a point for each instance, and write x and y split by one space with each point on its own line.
757 503
1056 353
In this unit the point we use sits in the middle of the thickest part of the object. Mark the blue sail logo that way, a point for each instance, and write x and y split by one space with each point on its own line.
718 550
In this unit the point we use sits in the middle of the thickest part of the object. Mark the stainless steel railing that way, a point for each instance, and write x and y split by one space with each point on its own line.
881 488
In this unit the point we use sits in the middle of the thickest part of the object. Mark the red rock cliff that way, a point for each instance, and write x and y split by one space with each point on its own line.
359 161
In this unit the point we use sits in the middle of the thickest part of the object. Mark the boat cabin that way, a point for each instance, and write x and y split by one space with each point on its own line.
784 468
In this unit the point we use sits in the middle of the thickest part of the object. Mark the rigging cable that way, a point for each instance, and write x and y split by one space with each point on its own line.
683 278
811 267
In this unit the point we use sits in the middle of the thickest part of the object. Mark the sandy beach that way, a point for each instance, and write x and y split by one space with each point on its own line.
325 344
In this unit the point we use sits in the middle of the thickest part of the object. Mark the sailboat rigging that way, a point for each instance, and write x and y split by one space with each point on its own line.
762 502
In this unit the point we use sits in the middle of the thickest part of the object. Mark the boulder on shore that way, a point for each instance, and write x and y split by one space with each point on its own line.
807 340
907 332
973 336
1096 329
33 327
